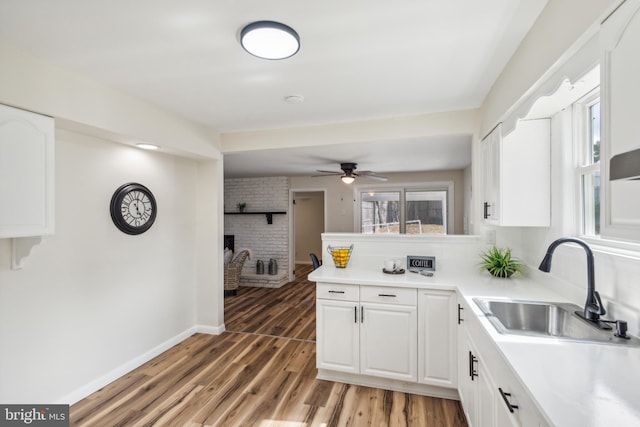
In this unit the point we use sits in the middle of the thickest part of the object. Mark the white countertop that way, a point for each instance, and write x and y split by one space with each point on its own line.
574 383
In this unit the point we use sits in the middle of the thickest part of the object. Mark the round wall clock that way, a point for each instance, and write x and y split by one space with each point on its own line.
133 208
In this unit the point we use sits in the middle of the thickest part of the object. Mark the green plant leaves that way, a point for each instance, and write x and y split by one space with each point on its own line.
499 262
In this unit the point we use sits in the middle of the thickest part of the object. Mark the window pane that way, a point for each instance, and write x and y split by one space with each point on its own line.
591 203
381 212
426 212
594 133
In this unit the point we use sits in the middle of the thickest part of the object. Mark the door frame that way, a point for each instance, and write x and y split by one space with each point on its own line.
292 231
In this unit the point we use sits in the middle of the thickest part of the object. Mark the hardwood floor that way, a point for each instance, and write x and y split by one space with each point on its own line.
261 372
288 311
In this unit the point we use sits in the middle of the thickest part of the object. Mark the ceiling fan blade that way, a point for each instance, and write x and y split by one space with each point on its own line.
373 176
330 172
327 173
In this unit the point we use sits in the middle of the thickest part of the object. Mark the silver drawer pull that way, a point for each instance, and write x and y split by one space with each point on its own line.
336 292
387 295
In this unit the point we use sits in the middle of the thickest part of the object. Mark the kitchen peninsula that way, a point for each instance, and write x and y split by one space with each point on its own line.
426 335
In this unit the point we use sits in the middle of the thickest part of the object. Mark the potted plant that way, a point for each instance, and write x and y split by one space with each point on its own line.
241 206
500 263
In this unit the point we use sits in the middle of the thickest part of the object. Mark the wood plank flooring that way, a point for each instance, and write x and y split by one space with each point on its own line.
261 372
288 311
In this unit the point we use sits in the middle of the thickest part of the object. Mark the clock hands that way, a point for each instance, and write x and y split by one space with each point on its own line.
137 208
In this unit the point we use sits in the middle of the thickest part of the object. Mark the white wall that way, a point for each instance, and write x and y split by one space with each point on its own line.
91 298
93 303
84 105
464 122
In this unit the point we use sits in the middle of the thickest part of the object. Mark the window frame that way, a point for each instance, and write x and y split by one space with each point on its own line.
403 188
607 241
582 161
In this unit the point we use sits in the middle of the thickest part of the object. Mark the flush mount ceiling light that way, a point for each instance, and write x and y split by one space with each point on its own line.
147 146
294 99
270 40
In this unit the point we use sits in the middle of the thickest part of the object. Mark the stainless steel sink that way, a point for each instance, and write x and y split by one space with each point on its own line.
545 319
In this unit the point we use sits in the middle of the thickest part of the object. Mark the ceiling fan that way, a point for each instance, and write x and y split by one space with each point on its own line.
348 174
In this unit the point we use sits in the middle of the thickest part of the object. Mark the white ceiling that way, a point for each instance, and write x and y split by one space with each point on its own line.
408 155
359 59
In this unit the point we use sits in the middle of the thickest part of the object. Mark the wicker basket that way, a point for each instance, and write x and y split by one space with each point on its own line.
340 255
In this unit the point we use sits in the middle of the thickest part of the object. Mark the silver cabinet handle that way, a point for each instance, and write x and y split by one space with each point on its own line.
387 295
336 292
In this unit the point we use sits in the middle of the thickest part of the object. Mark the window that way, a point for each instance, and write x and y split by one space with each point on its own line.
410 211
588 166
380 212
426 212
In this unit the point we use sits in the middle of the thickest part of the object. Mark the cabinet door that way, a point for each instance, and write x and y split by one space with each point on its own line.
486 398
337 337
516 170
525 177
26 173
504 417
388 341
619 37
465 366
490 151
437 337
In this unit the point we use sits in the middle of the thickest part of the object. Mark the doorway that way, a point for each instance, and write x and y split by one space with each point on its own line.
308 224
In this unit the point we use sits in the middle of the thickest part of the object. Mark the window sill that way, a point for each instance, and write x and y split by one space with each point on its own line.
613 247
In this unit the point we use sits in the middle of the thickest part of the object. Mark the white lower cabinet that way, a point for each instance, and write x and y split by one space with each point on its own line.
437 343
490 393
388 341
368 330
338 335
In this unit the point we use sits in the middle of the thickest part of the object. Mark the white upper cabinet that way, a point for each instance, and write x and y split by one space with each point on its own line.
620 94
26 173
516 170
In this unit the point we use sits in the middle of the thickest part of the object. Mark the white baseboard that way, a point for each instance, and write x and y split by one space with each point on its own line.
388 384
211 330
125 368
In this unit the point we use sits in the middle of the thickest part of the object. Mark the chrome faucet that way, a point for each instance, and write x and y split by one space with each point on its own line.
593 307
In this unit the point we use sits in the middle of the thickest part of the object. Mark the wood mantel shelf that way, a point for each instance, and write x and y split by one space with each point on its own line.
268 214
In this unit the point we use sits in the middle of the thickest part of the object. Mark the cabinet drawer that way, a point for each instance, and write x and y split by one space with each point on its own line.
388 295
336 291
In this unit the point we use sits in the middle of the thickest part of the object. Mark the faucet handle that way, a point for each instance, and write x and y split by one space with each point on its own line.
597 308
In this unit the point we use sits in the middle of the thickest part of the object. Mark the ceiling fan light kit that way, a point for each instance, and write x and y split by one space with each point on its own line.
348 174
270 40
347 179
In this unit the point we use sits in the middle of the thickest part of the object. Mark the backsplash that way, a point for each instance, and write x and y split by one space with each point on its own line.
617 274
455 252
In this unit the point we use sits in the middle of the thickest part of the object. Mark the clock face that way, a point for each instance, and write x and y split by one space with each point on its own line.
133 208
